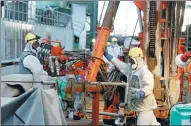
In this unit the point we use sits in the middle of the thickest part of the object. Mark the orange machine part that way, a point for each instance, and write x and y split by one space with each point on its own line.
139 4
98 50
77 69
95 101
189 68
110 109
141 40
163 4
189 83
181 50
57 51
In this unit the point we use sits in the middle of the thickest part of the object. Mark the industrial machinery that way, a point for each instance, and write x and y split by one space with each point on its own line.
57 62
180 112
160 42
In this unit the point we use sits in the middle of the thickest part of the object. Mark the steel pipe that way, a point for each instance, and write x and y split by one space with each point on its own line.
109 83
107 113
42 82
123 105
90 83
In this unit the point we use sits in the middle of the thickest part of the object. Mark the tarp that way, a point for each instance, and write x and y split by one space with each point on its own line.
11 89
35 107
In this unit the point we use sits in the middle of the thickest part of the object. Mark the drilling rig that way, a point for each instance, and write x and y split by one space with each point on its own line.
160 38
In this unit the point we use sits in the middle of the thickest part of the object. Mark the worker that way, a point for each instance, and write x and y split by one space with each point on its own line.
141 84
110 65
117 50
114 41
29 63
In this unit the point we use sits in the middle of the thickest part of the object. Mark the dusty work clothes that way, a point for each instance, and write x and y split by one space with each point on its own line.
30 64
115 50
139 79
35 67
147 118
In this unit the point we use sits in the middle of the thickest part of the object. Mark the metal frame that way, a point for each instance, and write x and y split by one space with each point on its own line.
31 14
17 15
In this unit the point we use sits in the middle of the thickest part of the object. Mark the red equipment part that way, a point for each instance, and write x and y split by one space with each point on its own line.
139 4
185 56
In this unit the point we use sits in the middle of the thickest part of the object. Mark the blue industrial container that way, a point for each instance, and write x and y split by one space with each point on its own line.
180 114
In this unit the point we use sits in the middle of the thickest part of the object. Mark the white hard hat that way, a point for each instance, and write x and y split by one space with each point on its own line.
180 63
93 40
128 41
114 40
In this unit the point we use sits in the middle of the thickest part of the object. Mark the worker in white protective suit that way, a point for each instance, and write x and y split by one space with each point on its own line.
29 63
110 50
115 50
141 84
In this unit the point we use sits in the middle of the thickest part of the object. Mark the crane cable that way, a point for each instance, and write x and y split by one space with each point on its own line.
133 34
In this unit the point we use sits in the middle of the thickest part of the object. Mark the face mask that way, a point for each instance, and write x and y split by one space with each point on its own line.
134 64
32 50
139 63
38 49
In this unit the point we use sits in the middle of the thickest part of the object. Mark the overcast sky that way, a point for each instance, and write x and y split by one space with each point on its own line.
127 16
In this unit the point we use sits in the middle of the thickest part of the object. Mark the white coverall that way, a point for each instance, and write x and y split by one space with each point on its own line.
141 79
33 64
115 50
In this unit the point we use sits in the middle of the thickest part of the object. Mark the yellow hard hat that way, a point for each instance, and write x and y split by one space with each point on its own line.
31 38
135 52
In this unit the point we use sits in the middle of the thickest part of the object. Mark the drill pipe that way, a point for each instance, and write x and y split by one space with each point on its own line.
91 83
107 114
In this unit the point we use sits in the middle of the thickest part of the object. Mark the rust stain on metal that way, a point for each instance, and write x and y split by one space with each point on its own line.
145 31
166 56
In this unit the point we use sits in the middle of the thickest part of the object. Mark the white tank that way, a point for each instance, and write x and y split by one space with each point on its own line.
127 42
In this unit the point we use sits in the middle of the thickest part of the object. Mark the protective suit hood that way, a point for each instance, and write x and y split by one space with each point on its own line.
28 47
139 63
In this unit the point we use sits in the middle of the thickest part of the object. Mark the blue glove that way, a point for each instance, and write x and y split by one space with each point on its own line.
141 94
136 95
108 56
101 91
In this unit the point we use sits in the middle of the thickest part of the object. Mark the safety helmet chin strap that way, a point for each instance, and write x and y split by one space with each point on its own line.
135 65
138 63
37 38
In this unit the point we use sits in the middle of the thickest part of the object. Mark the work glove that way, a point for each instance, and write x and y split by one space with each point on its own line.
136 94
108 56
